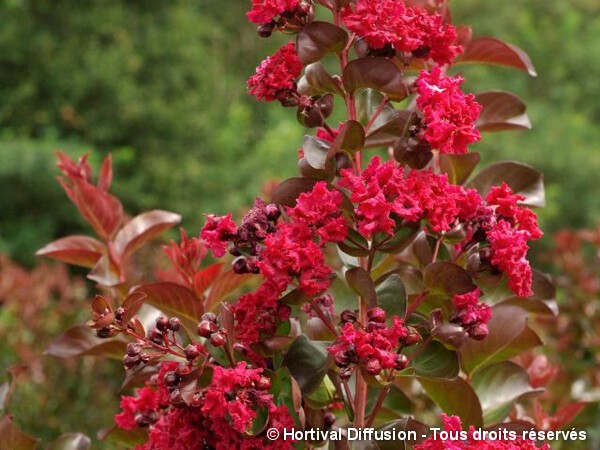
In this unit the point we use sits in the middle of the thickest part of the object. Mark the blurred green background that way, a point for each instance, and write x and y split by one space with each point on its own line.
161 86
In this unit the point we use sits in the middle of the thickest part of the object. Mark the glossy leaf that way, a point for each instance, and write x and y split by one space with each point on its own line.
391 296
102 211
521 178
207 276
360 281
132 303
176 300
288 191
105 175
80 340
318 39
506 326
447 278
455 397
401 239
350 138
143 228
386 133
226 283
317 81
105 272
499 387
488 50
501 111
13 438
78 250
377 73
459 167
316 151
71 441
307 362
433 360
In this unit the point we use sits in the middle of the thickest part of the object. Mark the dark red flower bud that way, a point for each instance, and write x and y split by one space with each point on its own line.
377 315
303 8
375 326
328 419
373 367
265 30
142 420
263 384
478 332
144 357
156 336
217 339
401 362
238 347
171 379
132 362
183 369
240 266
119 313
436 317
162 323
272 211
206 328
133 349
106 332
176 399
191 352
210 316
412 337
174 324
341 360
346 373
348 316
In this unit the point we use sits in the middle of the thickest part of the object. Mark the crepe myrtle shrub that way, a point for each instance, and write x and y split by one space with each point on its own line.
385 285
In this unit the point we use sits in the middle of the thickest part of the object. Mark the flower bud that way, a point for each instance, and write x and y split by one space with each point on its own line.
401 362
106 332
162 323
263 384
265 30
436 317
348 316
171 379
142 420
377 315
156 336
272 211
133 349
217 339
328 419
412 337
191 352
240 266
176 399
346 373
183 369
373 367
174 324
119 313
478 332
206 328
210 316
341 360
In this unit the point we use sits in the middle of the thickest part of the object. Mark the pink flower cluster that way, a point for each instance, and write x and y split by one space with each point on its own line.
290 253
265 11
385 194
471 314
275 78
384 23
453 426
448 114
515 225
372 348
218 416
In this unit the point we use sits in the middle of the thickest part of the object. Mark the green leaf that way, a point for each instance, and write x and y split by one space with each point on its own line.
521 178
13 438
71 441
447 278
376 73
459 167
501 111
308 363
391 296
360 281
455 397
81 341
432 360
318 39
499 387
506 326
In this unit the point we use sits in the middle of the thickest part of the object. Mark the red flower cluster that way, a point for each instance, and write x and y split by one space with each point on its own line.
292 253
217 233
472 315
383 23
453 426
275 78
384 193
373 348
514 226
448 114
265 11
218 416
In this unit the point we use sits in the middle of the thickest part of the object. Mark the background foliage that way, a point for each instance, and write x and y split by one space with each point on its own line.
161 86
